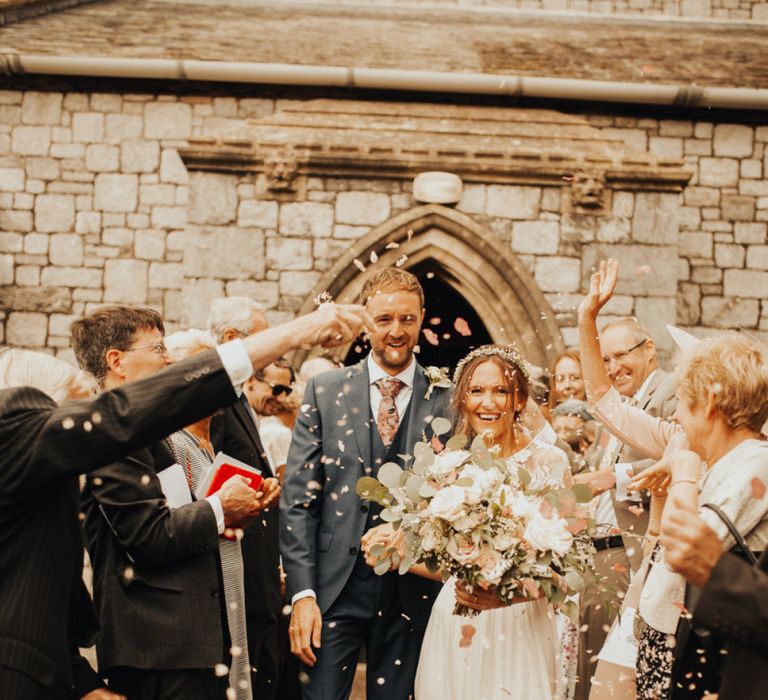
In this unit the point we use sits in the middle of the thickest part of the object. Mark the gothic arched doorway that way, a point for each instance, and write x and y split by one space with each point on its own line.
464 256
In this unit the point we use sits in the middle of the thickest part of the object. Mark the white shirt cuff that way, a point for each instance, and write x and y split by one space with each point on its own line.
236 362
624 474
306 593
218 511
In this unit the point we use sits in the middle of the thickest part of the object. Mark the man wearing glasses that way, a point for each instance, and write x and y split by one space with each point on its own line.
629 355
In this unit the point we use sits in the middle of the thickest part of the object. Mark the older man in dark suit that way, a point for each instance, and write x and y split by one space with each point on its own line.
45 446
234 431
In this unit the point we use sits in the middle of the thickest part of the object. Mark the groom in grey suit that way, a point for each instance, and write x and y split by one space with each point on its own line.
353 420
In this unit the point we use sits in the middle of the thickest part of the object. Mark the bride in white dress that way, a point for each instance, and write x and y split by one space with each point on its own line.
507 651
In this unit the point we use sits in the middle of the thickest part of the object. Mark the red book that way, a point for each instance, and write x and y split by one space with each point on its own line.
224 468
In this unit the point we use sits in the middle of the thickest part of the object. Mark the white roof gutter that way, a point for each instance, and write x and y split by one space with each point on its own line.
386 79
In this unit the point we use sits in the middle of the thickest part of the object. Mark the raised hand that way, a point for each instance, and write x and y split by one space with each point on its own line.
333 324
602 284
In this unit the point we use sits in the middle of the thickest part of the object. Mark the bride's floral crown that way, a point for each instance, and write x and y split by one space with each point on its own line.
510 354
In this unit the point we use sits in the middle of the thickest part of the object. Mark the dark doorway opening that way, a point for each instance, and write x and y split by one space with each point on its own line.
451 325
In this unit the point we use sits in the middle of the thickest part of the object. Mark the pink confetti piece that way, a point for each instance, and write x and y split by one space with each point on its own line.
467 633
431 336
462 327
758 488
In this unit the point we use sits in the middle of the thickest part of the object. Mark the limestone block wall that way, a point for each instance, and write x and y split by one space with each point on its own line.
745 10
97 207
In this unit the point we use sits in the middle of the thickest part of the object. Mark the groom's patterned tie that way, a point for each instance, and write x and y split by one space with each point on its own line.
387 420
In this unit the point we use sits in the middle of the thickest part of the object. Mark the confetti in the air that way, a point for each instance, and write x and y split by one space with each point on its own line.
431 336
462 327
374 256
467 633
358 265
401 261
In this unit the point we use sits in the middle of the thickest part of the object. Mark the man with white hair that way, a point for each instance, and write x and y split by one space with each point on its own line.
235 432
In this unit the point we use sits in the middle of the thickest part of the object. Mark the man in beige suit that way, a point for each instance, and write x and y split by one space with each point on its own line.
630 357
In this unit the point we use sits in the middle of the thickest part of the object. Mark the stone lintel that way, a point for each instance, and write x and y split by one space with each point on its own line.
487 167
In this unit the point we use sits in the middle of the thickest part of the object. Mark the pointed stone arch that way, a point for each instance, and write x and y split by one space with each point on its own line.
474 262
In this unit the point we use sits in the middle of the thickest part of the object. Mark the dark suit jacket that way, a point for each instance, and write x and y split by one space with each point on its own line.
321 516
734 603
234 433
44 447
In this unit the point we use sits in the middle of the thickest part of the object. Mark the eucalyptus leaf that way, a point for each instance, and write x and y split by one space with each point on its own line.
389 474
441 425
426 490
389 516
405 564
382 567
524 476
457 442
370 489
575 581
377 550
582 492
413 486
423 452
464 481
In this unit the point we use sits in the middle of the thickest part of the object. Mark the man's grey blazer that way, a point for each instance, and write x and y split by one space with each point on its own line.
321 517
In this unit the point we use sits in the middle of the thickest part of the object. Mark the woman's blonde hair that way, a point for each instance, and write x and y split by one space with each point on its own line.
735 368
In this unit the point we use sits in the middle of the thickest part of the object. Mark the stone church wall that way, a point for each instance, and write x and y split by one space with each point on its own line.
745 10
97 207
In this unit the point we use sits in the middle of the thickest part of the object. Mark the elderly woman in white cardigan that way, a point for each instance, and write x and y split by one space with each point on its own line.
722 387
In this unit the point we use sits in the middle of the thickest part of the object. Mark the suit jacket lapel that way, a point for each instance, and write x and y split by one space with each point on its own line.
356 394
420 409
246 421
656 380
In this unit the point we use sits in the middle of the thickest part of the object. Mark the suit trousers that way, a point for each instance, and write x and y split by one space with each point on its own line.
170 684
598 606
263 640
366 614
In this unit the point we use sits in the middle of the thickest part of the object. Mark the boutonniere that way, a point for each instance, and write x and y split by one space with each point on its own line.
437 377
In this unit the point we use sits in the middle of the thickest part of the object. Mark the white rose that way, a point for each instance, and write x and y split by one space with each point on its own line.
431 537
463 549
447 503
446 462
522 506
504 540
549 534
483 480
468 522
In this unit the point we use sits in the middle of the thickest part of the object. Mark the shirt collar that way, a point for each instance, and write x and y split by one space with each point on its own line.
406 376
640 393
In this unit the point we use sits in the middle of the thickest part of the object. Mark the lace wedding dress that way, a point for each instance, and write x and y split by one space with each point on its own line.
515 651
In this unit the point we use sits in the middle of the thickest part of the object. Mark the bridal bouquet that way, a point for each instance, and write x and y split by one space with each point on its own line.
486 521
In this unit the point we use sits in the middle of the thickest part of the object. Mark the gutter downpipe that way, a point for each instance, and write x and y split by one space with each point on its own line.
386 79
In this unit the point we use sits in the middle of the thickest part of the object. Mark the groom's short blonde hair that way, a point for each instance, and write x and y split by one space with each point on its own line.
391 279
